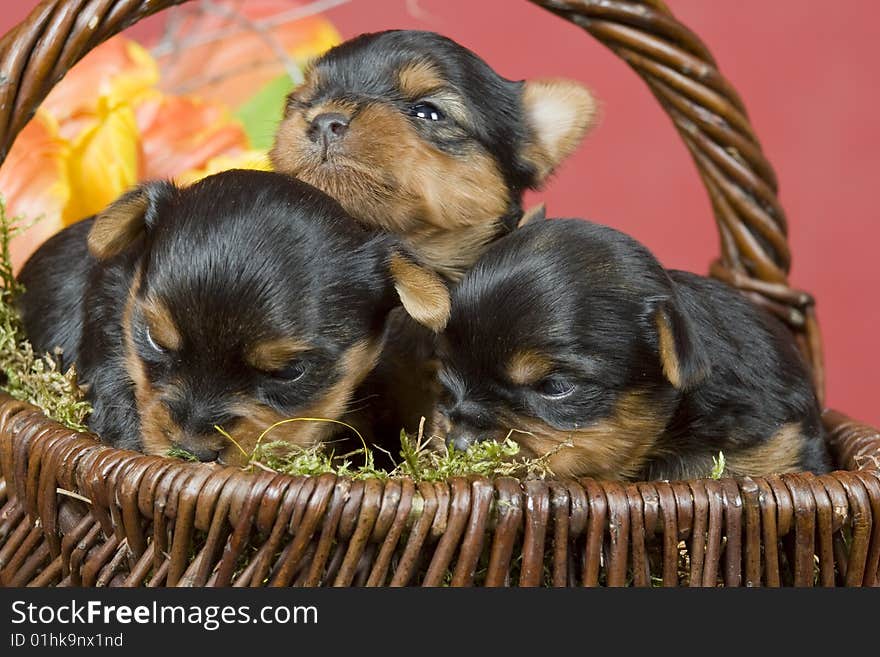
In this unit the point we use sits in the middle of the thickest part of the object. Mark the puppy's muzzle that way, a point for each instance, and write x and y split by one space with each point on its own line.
328 127
195 431
468 423
460 438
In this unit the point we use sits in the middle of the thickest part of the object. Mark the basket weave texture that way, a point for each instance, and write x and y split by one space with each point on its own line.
76 512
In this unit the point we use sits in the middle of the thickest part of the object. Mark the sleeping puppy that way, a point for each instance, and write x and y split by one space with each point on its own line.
571 338
243 300
414 134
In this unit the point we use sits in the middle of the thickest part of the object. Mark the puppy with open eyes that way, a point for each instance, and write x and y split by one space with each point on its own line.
245 299
573 336
415 134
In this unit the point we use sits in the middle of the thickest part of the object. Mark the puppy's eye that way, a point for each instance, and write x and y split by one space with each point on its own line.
426 111
556 388
293 371
155 346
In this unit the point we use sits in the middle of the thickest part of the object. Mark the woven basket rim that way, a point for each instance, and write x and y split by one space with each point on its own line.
859 460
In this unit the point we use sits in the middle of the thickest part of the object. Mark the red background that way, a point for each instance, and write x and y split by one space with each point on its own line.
807 72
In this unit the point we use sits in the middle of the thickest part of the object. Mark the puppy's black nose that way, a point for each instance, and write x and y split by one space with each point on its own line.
460 439
329 126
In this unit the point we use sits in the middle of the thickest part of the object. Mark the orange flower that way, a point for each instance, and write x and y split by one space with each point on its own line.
108 125
33 180
181 133
103 161
118 70
256 37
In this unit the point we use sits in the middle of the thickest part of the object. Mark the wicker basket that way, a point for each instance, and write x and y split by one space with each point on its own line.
75 512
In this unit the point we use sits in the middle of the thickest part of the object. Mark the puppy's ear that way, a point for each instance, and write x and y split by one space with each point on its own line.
127 218
682 354
422 292
558 113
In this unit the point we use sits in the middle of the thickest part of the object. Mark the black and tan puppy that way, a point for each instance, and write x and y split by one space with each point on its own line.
567 331
414 134
245 299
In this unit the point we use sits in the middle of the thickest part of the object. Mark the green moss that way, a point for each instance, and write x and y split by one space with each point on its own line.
418 460
182 454
489 459
33 378
718 466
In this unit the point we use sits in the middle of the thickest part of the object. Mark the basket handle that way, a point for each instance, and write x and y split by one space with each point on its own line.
675 64
36 54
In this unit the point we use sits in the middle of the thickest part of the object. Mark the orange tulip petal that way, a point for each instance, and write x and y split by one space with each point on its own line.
118 69
179 134
248 59
105 125
34 182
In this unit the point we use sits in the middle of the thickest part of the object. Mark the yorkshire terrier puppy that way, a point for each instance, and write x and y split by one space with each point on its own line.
243 300
571 338
414 134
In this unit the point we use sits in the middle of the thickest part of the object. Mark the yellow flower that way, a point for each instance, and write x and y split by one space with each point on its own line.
251 159
109 124
103 160
117 71
320 36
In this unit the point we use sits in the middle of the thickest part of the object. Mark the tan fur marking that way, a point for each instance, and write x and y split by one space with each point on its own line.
334 106
779 454
157 428
451 104
117 226
614 448
668 353
356 363
437 427
447 208
528 367
423 294
163 330
419 79
560 112
304 92
272 355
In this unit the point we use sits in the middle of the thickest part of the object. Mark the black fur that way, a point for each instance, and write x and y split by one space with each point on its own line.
588 297
239 257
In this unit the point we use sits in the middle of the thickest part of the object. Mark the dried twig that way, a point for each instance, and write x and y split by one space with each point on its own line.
167 45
